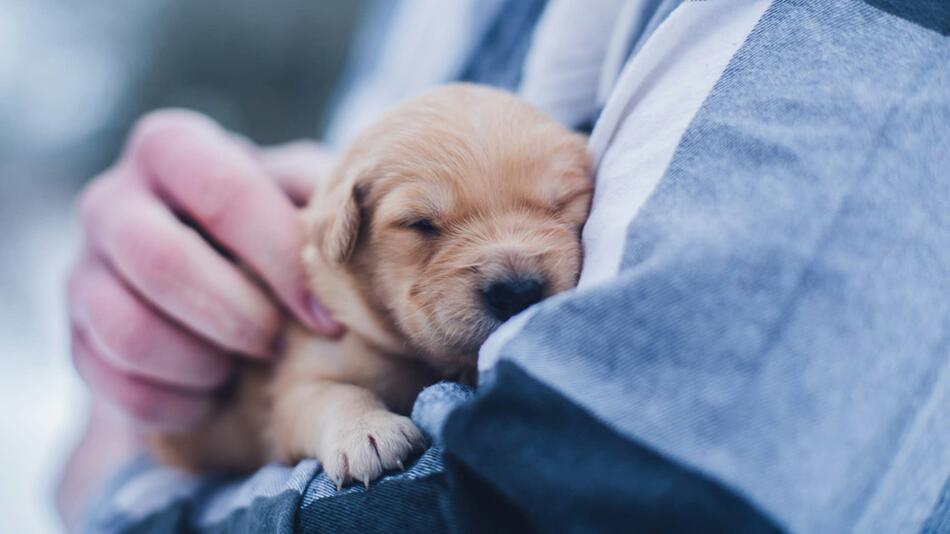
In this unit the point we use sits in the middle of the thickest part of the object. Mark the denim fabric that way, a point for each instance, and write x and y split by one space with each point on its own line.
939 520
393 505
522 458
434 405
781 320
150 497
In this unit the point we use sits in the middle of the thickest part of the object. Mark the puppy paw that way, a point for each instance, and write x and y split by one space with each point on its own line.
362 450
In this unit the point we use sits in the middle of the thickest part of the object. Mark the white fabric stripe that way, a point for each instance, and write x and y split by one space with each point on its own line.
153 490
407 66
659 91
631 22
656 96
269 481
491 348
159 487
564 62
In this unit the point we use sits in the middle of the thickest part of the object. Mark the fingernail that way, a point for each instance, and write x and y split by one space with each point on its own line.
322 318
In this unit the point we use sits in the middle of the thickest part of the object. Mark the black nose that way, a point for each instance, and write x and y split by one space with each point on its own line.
505 298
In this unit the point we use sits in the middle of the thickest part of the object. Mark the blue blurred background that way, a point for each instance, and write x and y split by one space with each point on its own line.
73 78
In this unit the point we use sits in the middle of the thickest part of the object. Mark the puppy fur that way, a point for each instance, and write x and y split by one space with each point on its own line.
445 199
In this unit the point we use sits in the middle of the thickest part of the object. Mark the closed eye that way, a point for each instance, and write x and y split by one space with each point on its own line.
423 226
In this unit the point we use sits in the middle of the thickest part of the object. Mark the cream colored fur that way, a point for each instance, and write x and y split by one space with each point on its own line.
505 189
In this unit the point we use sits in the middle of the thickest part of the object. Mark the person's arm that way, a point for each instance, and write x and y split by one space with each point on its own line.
157 311
106 444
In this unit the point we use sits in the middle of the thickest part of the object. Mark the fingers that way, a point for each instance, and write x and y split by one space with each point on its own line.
134 338
143 401
203 172
297 167
175 270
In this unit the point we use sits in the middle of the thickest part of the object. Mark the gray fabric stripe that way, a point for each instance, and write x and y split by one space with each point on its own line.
499 57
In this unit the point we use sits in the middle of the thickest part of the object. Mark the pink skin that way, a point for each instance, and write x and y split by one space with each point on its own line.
157 313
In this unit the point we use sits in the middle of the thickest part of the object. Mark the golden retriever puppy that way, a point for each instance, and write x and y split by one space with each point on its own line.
454 212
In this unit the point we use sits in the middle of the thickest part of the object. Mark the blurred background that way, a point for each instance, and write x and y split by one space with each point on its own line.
73 78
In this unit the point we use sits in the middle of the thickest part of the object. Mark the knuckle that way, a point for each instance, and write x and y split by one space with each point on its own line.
195 165
218 194
168 121
122 329
158 130
152 256
95 197
160 259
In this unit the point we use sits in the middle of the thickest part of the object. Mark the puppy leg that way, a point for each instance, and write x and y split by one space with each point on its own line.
225 443
230 440
348 428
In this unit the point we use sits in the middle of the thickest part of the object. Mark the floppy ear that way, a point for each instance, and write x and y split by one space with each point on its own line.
341 231
335 218
570 189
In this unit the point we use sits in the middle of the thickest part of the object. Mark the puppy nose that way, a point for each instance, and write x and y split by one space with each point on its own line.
505 298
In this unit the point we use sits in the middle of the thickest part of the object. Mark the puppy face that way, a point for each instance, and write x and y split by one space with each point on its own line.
458 210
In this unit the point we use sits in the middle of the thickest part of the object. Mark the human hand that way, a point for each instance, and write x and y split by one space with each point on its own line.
156 310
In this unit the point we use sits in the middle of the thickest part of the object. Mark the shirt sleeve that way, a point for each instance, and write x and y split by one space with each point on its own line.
147 497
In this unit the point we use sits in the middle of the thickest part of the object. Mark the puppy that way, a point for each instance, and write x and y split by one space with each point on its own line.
454 212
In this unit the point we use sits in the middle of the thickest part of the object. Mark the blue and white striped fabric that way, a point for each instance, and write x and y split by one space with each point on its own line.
761 337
